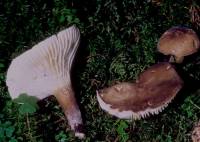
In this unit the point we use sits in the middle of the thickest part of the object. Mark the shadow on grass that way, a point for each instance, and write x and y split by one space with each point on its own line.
186 70
77 68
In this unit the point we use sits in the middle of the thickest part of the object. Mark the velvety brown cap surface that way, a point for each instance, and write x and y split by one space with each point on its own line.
178 41
155 87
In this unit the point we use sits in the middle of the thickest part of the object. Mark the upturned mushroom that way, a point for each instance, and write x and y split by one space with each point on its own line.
178 42
44 70
150 94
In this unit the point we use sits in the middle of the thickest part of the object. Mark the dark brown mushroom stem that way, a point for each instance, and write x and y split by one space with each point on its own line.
65 97
150 94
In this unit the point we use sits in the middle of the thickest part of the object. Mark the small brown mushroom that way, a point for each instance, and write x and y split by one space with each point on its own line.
150 94
178 42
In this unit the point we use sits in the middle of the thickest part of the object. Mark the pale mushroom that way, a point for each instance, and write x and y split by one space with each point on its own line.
196 133
150 94
178 42
44 70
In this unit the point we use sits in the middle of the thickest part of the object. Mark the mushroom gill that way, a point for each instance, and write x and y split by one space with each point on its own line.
178 42
44 70
150 94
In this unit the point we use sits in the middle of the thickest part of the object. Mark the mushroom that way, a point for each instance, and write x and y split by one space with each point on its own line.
44 70
150 94
178 42
196 133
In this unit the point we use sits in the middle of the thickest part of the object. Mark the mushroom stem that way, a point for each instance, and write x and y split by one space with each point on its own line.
175 59
172 59
179 59
65 97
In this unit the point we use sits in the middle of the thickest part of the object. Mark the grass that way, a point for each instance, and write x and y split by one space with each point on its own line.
118 42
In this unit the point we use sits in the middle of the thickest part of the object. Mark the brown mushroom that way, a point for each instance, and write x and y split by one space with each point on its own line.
178 42
150 94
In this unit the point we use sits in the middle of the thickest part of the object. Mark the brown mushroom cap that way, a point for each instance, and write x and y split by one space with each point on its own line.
153 90
179 42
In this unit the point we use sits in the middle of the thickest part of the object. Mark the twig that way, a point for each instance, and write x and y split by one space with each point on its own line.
29 128
59 120
92 56
195 105
116 140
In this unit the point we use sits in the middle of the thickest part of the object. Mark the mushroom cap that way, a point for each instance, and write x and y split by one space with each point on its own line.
178 41
44 68
152 92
